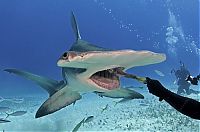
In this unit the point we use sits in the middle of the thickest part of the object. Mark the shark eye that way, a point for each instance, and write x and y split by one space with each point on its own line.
65 55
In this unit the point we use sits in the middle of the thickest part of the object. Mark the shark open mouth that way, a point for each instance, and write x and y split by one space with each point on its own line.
107 79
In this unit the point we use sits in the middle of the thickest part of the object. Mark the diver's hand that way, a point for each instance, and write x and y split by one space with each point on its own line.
156 88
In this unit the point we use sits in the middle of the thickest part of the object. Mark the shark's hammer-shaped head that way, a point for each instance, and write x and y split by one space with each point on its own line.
97 74
101 65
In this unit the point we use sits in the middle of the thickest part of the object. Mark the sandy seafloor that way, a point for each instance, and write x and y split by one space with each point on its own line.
136 115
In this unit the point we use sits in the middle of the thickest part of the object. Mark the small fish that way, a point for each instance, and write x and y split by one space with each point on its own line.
4 121
142 104
89 119
14 100
78 125
16 113
123 101
159 73
105 108
4 109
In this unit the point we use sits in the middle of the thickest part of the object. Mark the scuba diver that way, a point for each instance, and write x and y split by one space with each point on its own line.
186 106
182 75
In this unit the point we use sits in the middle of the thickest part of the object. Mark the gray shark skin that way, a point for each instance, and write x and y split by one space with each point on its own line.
89 68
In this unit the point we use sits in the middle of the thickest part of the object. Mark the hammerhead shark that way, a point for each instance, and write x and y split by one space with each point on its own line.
89 68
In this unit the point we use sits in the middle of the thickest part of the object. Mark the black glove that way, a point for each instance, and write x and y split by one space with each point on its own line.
156 88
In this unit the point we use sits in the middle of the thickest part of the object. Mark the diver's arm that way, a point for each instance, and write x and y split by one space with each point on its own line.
186 106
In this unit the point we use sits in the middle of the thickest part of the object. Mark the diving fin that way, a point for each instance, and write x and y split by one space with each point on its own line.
121 93
50 85
57 101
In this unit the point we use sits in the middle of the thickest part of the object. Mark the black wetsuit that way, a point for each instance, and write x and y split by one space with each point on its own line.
186 106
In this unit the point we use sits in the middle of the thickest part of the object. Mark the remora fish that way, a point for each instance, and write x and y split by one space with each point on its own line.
78 126
88 68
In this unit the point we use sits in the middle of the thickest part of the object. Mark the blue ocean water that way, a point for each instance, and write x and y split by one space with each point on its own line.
34 34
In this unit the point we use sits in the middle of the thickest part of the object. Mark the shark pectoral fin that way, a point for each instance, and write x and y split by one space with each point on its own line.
50 85
121 93
57 101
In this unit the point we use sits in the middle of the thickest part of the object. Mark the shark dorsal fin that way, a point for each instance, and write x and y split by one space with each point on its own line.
84 46
81 45
75 26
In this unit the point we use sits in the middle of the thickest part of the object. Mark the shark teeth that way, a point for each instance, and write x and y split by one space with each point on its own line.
106 79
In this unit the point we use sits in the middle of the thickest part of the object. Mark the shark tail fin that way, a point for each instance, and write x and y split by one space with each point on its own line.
50 85
75 26
115 103
1 99
7 115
